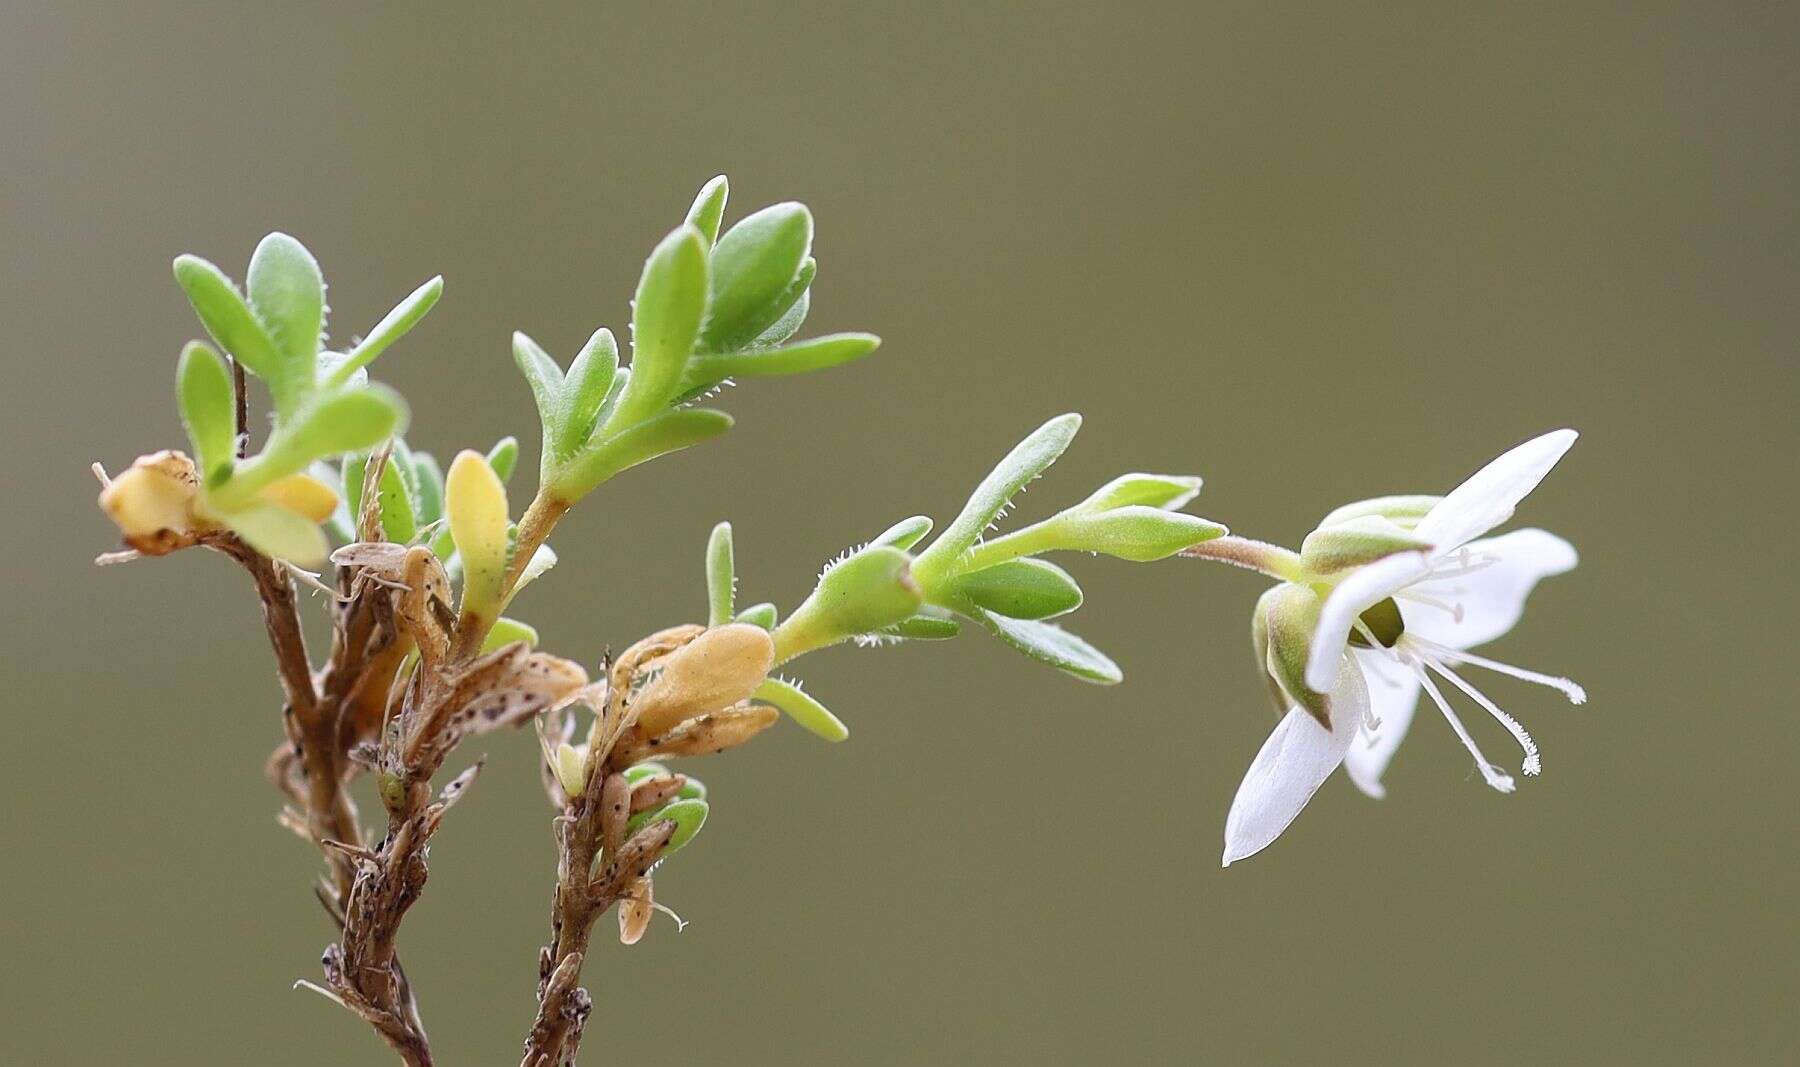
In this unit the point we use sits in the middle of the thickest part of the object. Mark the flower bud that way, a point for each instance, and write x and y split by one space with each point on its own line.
154 503
871 589
1355 542
571 768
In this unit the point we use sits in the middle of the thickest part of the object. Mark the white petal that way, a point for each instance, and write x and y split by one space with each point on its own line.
1393 696
1487 499
1293 763
1354 595
1493 597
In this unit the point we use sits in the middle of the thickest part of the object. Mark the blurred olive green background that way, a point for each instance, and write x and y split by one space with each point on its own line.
1313 254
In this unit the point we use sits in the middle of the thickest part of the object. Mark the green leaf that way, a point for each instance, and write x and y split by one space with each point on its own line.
721 575
584 389
208 409
349 421
668 432
355 469
279 533
1136 533
546 381
763 615
689 816
1028 459
1048 643
924 627
393 326
794 317
665 320
503 457
507 631
288 293
475 504
905 533
394 499
754 267
649 769
226 315
1167 491
819 353
799 706
428 479
709 209
1021 589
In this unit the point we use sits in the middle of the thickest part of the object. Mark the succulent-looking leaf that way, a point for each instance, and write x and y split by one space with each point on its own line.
763 615
394 499
302 494
1028 459
348 421
721 576
818 353
648 769
546 381
475 504
1051 644
279 533
506 631
428 479
754 266
288 293
584 389
785 327
688 815
1021 589
503 457
665 321
393 326
227 316
708 211
208 410
869 590
923 627
799 706
668 432
905 533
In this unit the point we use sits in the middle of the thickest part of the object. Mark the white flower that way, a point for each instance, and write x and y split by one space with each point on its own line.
1432 587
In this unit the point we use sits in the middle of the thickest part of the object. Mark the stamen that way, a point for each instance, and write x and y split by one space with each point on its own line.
1455 610
1533 763
1574 692
1495 777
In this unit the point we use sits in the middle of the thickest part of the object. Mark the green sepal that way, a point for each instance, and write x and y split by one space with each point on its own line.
393 326
905 533
287 291
1028 459
1168 491
689 814
1051 644
1353 543
763 615
708 210
754 268
208 410
1020 589
668 432
721 575
1291 614
1403 511
799 706
869 590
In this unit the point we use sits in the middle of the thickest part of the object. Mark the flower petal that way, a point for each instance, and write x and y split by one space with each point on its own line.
1393 696
1293 763
1354 595
1487 499
1493 597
